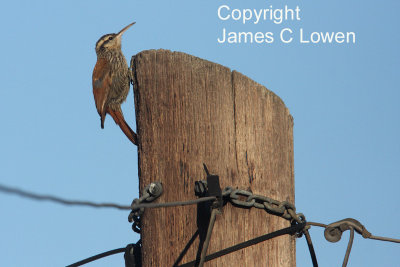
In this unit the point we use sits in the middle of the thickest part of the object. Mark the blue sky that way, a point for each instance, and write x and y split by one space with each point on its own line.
343 97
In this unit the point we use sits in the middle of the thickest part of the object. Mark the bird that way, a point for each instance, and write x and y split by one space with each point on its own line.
111 81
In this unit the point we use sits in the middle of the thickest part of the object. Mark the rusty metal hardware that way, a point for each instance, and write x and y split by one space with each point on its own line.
283 209
151 192
333 232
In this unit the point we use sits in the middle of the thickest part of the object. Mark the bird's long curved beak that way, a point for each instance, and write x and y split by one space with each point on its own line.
124 29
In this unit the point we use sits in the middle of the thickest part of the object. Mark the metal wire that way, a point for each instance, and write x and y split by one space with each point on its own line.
333 233
30 195
311 248
186 248
317 224
349 245
349 223
289 230
98 256
172 204
208 237
380 238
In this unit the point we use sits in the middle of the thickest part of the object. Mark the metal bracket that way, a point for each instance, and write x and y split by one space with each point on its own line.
214 189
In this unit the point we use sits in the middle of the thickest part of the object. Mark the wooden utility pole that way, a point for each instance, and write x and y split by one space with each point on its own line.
190 111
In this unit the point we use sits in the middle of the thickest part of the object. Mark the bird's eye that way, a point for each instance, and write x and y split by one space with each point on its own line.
110 38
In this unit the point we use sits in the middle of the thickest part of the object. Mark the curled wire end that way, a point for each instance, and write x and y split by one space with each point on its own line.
333 232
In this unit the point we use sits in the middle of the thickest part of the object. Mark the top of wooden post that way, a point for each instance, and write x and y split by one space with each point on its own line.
191 111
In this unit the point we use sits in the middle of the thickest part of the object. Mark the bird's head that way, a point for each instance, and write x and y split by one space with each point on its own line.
111 41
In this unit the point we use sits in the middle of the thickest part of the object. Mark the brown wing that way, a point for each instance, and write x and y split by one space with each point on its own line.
101 81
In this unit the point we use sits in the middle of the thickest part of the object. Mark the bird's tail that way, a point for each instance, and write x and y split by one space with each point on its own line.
120 120
102 118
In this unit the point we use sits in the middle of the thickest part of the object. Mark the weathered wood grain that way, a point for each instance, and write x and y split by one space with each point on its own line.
190 111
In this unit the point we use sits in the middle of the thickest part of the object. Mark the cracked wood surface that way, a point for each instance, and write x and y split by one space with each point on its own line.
190 111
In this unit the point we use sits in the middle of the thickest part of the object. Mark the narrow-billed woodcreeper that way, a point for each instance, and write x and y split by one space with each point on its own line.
111 81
